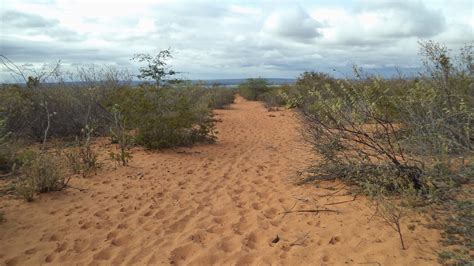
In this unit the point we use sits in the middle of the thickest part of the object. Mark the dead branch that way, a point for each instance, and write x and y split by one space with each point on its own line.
340 202
332 193
315 210
80 189
300 241
370 262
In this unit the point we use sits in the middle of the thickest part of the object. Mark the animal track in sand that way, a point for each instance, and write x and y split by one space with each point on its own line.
182 254
229 244
61 247
31 251
80 245
256 206
104 254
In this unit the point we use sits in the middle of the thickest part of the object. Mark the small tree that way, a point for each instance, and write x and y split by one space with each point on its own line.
156 68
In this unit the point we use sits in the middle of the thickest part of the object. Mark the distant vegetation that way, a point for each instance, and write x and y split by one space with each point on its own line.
252 89
103 103
260 89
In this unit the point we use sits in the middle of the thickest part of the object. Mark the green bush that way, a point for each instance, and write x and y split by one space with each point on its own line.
40 173
169 116
220 97
165 117
253 88
272 99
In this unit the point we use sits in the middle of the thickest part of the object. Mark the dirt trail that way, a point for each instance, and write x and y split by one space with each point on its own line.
210 204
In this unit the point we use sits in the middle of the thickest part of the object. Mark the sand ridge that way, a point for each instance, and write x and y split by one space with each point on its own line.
218 204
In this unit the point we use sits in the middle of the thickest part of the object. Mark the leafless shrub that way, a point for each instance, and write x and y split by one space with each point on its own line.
392 215
120 135
89 158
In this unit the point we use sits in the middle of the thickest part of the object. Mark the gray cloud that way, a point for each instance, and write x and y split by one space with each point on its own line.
38 52
386 23
233 39
292 23
21 20
408 19
31 24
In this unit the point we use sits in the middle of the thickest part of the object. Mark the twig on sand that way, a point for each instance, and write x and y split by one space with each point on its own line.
302 199
80 189
340 202
300 241
332 193
334 186
371 262
392 215
290 209
315 210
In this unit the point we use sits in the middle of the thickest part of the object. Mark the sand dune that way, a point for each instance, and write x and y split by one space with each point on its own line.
211 204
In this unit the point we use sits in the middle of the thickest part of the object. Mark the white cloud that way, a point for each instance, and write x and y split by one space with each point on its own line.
232 38
292 23
245 10
383 22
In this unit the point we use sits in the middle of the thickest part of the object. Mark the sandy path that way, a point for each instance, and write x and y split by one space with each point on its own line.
210 204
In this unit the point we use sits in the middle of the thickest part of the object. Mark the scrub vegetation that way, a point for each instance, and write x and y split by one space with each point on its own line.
102 103
405 142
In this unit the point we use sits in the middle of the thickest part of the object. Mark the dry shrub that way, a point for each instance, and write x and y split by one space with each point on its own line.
272 99
69 110
168 116
399 137
120 135
6 152
389 136
40 173
81 158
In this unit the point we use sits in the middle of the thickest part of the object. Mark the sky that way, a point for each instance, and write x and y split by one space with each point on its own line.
232 39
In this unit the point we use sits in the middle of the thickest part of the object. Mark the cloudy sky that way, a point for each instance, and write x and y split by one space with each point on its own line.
232 39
